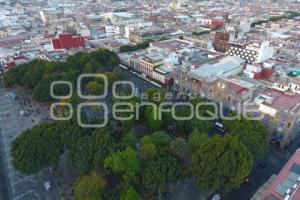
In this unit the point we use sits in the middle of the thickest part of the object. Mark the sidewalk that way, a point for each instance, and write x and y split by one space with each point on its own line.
11 125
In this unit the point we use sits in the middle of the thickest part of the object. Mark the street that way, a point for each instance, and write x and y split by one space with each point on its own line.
19 186
274 161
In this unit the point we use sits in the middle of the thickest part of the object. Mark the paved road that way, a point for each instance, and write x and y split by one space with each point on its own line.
140 83
274 160
21 187
4 183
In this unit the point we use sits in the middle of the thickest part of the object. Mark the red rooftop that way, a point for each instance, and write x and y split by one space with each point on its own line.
67 41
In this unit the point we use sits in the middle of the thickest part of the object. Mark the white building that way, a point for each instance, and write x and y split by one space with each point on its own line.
245 26
118 16
251 53
131 27
226 67
112 30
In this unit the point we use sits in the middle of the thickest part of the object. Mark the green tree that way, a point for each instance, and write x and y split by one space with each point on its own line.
146 139
152 120
129 117
196 139
201 33
111 77
147 152
70 132
41 91
128 48
156 95
129 140
90 151
221 163
203 126
95 88
81 156
114 60
103 144
179 147
130 194
160 172
88 68
89 187
33 74
252 133
12 76
38 75
36 148
183 126
105 57
124 162
161 139
15 75
74 100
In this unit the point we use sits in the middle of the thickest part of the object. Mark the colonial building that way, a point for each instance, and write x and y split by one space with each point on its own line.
221 40
281 112
203 79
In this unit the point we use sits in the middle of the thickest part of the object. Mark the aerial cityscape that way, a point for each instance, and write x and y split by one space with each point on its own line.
150 100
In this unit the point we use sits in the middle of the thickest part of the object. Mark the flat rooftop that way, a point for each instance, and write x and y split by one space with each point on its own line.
172 45
163 70
224 66
282 100
153 57
287 179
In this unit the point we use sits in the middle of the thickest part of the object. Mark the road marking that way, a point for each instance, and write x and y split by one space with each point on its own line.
6 104
22 179
5 112
24 194
8 126
11 131
9 139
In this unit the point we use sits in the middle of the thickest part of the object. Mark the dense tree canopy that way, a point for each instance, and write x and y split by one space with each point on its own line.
126 119
252 133
89 187
196 139
156 95
36 148
130 194
185 127
161 139
95 88
179 147
38 75
151 118
128 48
147 152
89 152
125 162
160 172
129 140
81 156
221 163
